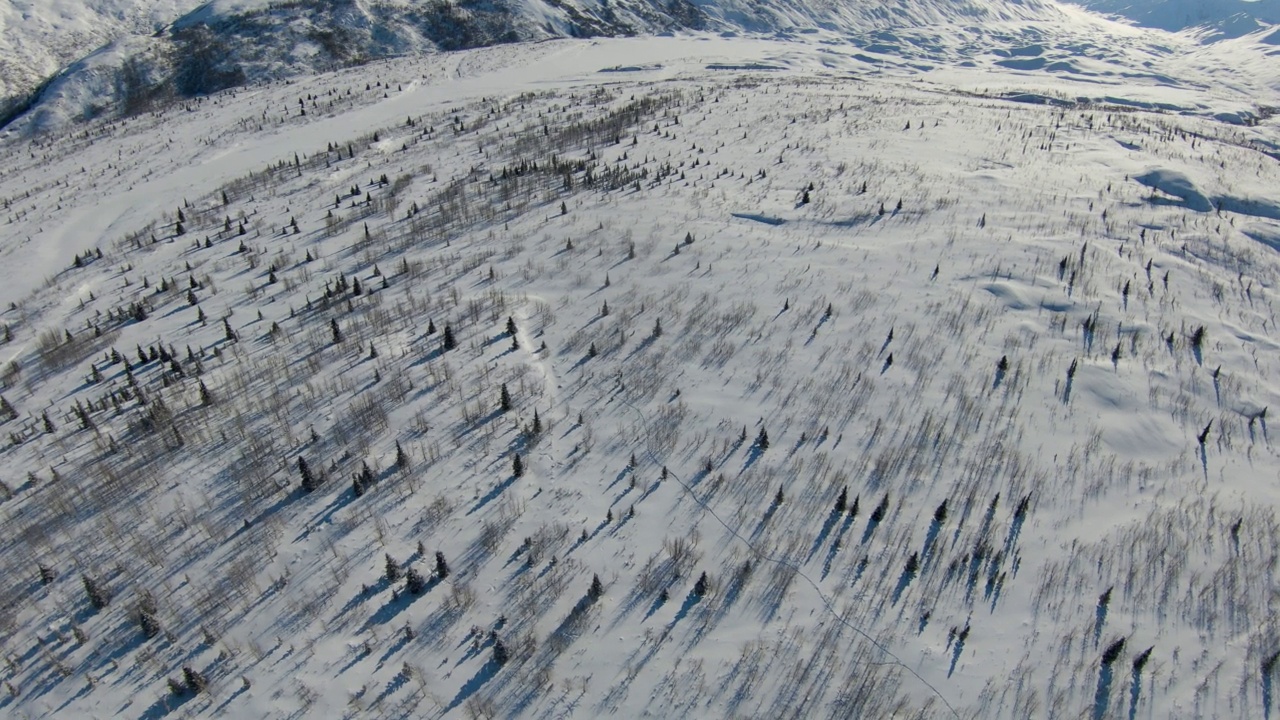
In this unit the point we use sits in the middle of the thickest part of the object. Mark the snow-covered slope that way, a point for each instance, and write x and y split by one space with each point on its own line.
867 383
39 37
228 43
1216 19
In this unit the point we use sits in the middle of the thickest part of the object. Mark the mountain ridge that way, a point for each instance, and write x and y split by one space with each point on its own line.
222 43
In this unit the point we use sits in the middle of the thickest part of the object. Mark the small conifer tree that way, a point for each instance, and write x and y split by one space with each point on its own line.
309 482
414 581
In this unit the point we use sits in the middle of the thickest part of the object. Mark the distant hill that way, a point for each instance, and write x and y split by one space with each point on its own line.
1220 18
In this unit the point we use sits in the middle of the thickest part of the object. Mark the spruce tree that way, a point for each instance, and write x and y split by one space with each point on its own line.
195 681
500 654
97 595
309 482
511 325
517 466
449 342
842 501
402 458
700 588
391 569
504 399
762 439
442 567
414 581
336 331
597 588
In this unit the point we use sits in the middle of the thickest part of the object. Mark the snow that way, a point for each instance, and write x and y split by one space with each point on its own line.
1066 236
39 37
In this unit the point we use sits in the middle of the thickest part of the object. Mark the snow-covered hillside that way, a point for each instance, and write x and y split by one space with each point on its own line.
234 43
39 37
681 377
1215 18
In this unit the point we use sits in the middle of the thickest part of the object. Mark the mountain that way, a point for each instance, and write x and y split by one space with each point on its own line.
228 43
1214 19
39 37
154 53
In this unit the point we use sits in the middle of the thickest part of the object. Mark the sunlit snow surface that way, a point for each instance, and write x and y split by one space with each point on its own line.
1083 242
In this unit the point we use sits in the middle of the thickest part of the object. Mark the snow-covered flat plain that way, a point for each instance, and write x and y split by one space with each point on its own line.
1008 329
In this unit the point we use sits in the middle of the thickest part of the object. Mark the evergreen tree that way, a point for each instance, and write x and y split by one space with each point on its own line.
504 400
357 485
500 654
47 574
517 466
657 328
511 325
762 439
206 397
537 423
97 595
842 502
431 327
414 581
700 588
309 482
878 513
391 569
402 458
149 622
49 427
442 567
336 331
597 588
195 681
449 342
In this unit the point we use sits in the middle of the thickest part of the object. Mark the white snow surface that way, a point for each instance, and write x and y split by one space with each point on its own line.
39 37
1040 296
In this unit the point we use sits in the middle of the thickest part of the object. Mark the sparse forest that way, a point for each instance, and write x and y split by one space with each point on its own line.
747 393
